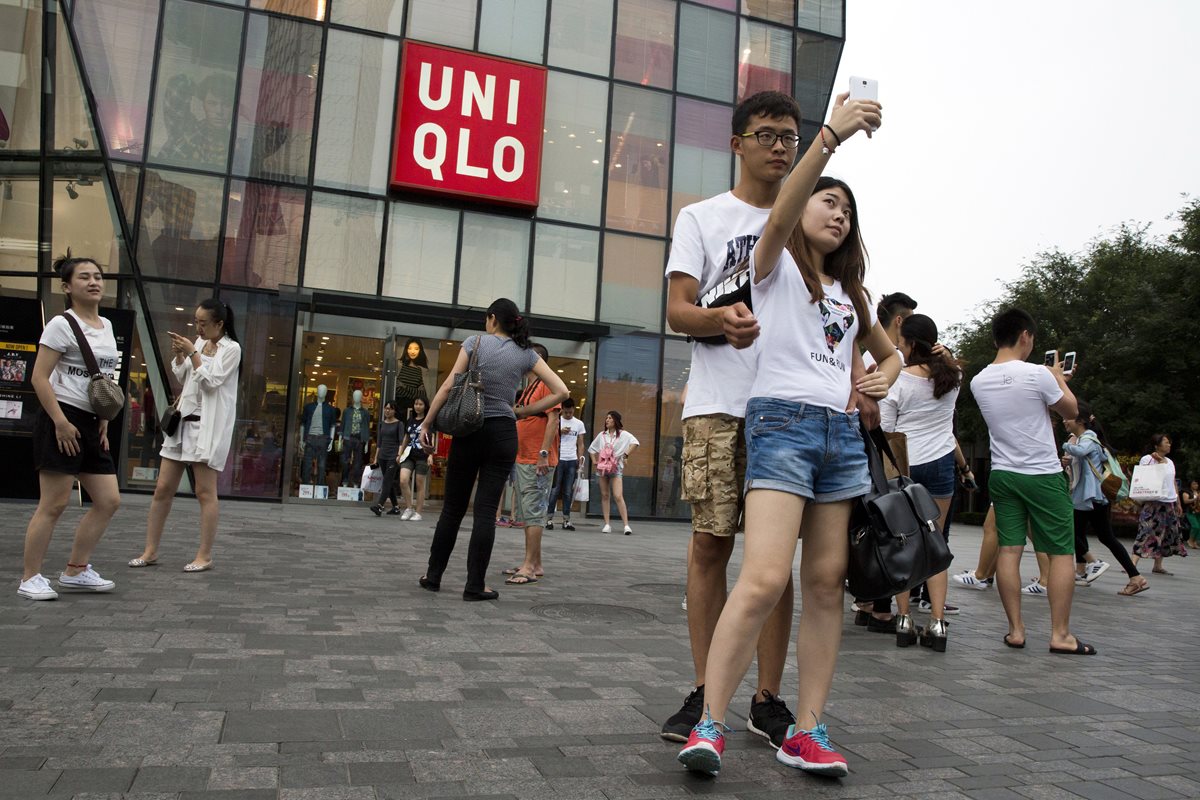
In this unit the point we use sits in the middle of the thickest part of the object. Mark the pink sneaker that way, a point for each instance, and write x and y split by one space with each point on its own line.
704 747
812 752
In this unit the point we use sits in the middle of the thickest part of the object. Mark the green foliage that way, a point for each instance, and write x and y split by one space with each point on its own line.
1130 306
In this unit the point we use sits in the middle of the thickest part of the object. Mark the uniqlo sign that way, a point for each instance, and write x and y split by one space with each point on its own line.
469 125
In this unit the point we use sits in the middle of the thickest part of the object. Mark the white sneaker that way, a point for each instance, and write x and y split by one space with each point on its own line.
407 514
628 531
1034 588
1081 580
967 580
37 588
1095 570
415 517
684 603
87 581
606 529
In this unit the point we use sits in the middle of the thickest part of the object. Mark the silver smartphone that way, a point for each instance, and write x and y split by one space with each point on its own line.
1069 363
1051 358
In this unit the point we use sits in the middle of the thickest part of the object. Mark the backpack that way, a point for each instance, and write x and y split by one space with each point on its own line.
606 462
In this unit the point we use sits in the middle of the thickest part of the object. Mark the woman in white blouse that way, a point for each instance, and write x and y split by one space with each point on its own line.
620 443
208 369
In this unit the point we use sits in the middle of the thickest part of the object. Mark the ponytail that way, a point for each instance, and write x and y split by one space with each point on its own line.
509 318
223 313
921 333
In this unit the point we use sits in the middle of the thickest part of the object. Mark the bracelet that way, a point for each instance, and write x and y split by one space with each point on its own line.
825 151
834 133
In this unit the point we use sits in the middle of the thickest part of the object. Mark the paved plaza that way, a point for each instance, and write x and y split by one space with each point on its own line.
309 664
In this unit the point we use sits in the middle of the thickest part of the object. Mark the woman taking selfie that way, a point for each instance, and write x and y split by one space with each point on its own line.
208 370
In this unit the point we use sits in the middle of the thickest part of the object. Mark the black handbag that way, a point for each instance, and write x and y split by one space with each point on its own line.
462 413
895 540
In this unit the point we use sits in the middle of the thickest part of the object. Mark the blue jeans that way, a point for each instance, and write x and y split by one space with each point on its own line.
564 485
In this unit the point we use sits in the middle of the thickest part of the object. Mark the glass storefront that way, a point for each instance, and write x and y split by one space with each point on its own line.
243 149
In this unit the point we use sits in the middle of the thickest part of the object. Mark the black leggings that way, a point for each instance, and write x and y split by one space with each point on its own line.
487 456
388 492
1098 518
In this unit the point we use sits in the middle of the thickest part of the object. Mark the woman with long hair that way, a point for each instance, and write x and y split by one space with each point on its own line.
410 375
387 458
487 455
806 458
208 369
416 465
921 405
621 444
1158 535
69 440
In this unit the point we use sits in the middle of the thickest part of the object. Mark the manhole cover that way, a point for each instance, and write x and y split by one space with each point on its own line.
665 589
591 612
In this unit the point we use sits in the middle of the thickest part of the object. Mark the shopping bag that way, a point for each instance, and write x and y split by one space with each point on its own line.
372 480
1147 483
582 491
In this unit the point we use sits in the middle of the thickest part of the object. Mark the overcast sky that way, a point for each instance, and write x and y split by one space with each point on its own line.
1012 128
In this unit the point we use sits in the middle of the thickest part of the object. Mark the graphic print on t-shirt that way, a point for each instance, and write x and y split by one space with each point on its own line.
836 318
735 275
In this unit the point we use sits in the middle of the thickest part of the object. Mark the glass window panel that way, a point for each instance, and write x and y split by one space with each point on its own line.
573 148
21 77
449 22
495 260
627 371
310 9
581 35
73 128
344 237
564 272
279 89
18 286
513 28
774 10
724 5
172 308
357 100
263 228
141 433
707 40
116 40
420 256
645 47
821 15
766 59
385 16
637 161
197 79
85 217
266 327
677 361
127 176
816 69
19 221
181 220
632 286
701 154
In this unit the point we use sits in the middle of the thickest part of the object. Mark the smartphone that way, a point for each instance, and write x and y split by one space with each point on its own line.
969 484
864 88
1069 363
1051 358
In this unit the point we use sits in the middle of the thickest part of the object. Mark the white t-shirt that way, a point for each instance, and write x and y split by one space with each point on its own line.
1014 398
620 443
805 348
1169 494
928 422
569 431
70 378
712 242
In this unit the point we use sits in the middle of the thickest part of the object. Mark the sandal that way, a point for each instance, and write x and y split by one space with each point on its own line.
517 571
194 567
1080 649
1010 643
1133 587
138 563
521 579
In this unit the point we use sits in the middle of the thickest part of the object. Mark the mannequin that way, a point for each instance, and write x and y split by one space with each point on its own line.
355 438
316 434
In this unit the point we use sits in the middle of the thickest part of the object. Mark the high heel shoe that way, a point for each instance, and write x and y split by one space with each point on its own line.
906 631
934 635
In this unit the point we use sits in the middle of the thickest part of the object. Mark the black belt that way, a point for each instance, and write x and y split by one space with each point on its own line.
191 418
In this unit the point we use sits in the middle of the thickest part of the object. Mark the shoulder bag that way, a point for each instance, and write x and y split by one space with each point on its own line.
462 413
895 540
1113 483
105 394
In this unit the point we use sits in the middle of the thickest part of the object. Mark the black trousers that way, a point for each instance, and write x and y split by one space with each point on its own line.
486 457
391 474
1097 517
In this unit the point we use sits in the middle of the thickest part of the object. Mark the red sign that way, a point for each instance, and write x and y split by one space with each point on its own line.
469 125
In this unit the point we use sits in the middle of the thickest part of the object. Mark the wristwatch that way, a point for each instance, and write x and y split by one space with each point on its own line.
544 453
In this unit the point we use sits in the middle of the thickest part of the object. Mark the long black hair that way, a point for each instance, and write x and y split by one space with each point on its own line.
65 267
509 318
921 333
420 360
220 312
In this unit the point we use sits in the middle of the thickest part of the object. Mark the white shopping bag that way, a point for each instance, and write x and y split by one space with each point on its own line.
372 480
582 490
1148 481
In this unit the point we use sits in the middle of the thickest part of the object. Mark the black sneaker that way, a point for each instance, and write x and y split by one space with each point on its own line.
567 526
679 726
770 719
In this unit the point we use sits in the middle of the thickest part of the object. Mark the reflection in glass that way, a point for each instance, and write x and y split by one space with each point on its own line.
126 187
357 99
85 218
21 79
513 29
19 221
449 22
564 272
419 262
701 153
632 283
816 68
279 89
385 16
310 9
172 309
344 236
821 15
677 362
637 163
193 105
645 46
573 148
627 371
181 220
581 35
774 10
707 41
263 227
73 128
766 60
495 260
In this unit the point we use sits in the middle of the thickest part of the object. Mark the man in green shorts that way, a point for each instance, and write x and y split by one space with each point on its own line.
1027 483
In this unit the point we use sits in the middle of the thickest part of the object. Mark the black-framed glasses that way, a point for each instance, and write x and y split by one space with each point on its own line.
768 138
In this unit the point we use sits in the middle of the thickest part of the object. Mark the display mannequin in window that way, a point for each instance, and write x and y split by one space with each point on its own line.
356 436
316 434
411 376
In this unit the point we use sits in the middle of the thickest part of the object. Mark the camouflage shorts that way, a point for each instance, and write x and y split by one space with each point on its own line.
714 469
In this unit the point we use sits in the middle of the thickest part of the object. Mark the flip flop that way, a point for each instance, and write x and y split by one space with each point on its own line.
517 571
138 563
193 567
1080 649
1132 588
521 579
1013 645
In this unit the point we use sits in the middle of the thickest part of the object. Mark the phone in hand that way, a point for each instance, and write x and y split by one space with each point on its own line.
864 88
1069 363
969 484
1051 358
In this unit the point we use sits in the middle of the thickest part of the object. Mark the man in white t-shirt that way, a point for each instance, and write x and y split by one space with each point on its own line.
571 437
1028 488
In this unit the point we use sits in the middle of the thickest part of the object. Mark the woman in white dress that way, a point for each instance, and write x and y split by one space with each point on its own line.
618 443
208 369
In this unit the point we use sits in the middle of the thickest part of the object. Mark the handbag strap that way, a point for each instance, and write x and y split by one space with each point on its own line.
473 364
85 349
874 441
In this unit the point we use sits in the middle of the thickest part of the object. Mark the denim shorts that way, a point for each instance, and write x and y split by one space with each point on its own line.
937 476
810 451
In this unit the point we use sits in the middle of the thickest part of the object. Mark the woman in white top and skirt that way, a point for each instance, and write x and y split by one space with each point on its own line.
208 369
